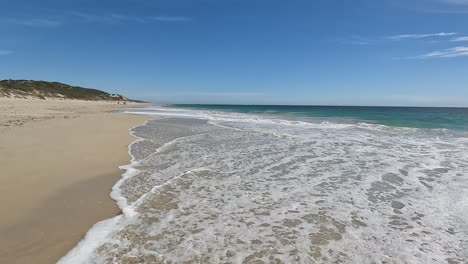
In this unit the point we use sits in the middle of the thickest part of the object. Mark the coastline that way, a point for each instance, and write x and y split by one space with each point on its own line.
59 161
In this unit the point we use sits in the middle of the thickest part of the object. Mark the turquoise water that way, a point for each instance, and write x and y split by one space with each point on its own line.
418 117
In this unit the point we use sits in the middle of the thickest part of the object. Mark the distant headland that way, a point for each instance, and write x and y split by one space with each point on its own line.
24 89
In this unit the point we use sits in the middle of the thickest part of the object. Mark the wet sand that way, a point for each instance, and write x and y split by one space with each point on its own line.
59 160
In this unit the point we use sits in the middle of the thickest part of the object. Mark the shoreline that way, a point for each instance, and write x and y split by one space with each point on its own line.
60 160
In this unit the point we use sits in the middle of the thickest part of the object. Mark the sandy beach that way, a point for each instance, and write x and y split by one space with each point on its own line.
59 160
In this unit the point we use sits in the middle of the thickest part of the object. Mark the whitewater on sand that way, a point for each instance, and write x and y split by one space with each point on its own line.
207 186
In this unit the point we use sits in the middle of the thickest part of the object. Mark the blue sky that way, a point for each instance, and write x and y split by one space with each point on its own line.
367 52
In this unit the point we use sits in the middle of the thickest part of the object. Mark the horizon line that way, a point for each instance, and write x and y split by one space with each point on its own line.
314 105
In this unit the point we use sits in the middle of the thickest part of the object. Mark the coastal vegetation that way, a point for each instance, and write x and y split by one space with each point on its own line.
53 90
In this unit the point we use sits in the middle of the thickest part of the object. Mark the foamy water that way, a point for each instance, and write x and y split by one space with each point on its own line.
212 187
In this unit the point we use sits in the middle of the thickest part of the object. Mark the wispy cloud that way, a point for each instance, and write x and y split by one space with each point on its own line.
34 22
419 36
5 52
447 53
77 17
120 18
456 2
460 39
441 6
356 40
170 18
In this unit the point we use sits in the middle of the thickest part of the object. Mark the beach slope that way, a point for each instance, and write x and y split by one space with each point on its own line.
59 160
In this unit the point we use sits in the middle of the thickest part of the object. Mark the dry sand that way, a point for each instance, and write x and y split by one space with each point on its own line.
58 162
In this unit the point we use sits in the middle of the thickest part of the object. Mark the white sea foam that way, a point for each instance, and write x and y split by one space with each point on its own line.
212 187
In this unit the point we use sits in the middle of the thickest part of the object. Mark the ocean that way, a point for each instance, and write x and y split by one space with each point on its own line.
289 184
